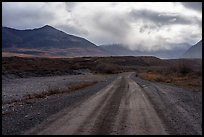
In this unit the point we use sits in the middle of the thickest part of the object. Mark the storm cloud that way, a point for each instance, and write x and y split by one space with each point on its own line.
143 26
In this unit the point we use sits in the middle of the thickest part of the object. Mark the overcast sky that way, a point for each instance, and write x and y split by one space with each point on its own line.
142 26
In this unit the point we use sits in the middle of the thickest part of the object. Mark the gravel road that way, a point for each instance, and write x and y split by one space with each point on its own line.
120 105
17 118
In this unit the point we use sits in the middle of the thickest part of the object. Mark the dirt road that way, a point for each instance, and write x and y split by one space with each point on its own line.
121 104
124 107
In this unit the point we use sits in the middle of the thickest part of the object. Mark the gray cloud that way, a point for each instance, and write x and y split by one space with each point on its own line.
114 25
193 5
23 17
70 6
160 18
154 21
134 25
72 30
148 28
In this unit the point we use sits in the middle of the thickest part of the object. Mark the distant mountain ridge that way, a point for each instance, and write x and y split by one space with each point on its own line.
45 41
48 41
118 50
121 50
194 52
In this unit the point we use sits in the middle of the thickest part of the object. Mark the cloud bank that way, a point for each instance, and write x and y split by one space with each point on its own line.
141 26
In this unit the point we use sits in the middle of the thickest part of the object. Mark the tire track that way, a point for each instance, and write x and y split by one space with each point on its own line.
105 98
136 115
105 121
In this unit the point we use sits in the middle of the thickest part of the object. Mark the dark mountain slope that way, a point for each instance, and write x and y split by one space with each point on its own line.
46 39
194 52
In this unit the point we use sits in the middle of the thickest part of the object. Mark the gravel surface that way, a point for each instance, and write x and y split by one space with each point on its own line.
17 88
18 118
179 109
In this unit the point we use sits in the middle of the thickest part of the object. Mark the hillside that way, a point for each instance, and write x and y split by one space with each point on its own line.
194 52
46 42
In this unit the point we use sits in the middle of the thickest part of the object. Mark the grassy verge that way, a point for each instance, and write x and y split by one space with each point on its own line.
191 80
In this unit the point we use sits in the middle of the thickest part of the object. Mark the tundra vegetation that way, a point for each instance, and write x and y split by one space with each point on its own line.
182 72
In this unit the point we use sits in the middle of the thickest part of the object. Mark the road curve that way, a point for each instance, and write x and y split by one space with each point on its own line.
119 108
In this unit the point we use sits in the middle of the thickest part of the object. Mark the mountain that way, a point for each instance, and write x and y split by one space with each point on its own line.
194 52
122 50
118 50
46 41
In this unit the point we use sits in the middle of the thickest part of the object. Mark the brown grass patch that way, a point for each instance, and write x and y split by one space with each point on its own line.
68 89
187 81
75 87
152 76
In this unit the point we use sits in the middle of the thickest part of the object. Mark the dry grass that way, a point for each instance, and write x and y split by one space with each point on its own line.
183 73
69 88
151 76
75 87
190 80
